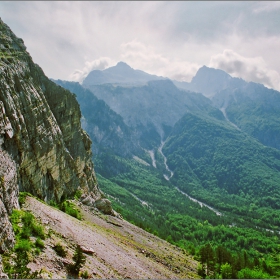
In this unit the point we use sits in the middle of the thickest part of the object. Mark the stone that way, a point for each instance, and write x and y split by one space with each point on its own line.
87 250
89 201
41 128
104 205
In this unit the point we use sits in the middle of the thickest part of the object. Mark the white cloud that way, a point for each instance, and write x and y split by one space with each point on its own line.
252 69
97 64
145 57
142 57
268 6
171 39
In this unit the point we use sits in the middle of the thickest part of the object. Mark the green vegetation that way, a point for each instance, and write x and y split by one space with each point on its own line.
79 260
25 226
68 207
84 274
60 250
183 222
78 194
226 169
218 262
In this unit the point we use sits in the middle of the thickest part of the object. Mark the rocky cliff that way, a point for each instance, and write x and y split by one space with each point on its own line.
43 149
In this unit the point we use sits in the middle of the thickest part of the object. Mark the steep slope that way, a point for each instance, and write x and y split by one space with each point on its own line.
225 168
119 74
251 107
254 109
152 109
44 149
106 128
116 249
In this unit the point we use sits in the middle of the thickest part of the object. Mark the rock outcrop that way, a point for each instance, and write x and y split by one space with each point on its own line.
8 185
44 150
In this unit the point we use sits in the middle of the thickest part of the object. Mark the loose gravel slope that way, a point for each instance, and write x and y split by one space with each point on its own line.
116 248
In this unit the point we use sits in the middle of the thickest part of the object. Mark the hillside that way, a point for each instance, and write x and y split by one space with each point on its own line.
202 177
117 249
105 127
44 151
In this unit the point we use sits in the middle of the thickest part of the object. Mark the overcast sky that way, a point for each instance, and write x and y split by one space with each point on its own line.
171 39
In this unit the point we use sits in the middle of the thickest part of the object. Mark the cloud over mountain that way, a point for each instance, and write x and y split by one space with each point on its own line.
252 69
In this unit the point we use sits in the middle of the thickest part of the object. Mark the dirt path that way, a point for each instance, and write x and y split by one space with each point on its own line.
121 250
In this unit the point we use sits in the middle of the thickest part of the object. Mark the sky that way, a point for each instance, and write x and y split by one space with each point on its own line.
69 39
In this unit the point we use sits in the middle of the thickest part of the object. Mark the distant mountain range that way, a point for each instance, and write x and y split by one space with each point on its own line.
215 140
207 81
119 74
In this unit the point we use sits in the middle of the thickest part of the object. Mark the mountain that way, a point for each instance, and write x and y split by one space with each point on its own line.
151 109
254 109
105 127
44 150
210 155
209 81
249 106
46 169
119 74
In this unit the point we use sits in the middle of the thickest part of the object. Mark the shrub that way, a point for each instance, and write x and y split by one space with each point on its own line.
78 194
53 203
23 246
39 243
38 230
31 226
79 260
85 274
22 197
69 208
60 250
25 233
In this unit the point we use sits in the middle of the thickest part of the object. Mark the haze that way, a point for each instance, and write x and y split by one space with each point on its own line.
171 39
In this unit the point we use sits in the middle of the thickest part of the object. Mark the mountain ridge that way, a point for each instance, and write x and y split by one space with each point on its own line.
121 73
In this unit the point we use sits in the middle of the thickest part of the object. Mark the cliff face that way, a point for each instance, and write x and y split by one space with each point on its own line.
43 149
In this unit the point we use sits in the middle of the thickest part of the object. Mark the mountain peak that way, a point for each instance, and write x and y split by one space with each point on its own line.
210 80
121 73
123 65
210 73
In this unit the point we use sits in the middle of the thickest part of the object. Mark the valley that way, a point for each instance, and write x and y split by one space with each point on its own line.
201 171
133 175
165 163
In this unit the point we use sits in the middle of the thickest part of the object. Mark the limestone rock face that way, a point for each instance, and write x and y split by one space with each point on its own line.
44 149
8 185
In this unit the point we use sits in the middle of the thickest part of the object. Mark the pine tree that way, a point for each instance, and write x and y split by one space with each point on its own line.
79 258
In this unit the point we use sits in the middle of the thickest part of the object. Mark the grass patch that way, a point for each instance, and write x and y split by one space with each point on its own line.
39 243
25 226
69 208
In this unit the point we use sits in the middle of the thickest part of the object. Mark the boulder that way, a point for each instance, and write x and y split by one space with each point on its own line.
104 205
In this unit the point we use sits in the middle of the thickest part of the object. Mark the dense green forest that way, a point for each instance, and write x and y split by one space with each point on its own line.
214 162
145 198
